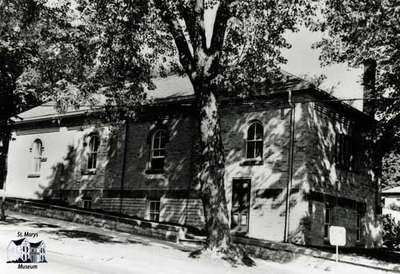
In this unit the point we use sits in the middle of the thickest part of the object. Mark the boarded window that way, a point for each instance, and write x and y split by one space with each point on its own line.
360 214
346 151
327 220
37 149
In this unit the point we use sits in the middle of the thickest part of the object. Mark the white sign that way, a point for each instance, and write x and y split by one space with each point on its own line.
337 235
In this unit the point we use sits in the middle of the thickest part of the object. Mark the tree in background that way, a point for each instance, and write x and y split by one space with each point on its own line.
86 47
391 232
365 33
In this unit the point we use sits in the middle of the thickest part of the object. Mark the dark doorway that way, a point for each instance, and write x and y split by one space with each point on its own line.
240 205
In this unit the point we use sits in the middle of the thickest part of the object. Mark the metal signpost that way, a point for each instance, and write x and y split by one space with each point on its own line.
337 237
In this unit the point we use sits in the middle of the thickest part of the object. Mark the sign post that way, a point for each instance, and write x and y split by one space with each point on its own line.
337 237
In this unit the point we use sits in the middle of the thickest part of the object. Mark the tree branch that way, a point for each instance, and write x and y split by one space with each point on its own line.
220 25
200 28
185 56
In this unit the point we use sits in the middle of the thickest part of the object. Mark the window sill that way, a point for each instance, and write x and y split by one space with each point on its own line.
155 171
348 169
33 175
252 162
360 243
88 172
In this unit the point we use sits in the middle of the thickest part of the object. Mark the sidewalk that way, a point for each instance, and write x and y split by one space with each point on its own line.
75 248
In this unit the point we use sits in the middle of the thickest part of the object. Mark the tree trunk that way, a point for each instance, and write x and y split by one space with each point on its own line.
212 168
4 138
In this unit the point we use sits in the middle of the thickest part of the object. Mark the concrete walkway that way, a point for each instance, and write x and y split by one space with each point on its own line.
76 248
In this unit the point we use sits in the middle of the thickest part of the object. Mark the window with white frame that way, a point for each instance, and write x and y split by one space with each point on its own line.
158 149
37 149
94 143
327 220
154 210
255 140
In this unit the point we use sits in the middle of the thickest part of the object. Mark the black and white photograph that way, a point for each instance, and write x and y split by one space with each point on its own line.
199 136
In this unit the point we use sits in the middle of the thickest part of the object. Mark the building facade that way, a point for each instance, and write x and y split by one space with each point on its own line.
391 202
296 161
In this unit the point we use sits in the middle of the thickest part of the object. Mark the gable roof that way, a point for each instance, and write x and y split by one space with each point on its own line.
36 244
393 190
18 242
176 88
172 88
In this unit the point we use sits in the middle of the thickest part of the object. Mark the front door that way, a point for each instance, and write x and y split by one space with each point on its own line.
240 205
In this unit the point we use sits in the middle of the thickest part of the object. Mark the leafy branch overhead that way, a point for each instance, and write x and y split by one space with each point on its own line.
359 31
74 50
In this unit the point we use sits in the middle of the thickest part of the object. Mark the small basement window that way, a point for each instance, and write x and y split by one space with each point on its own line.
154 210
359 226
327 220
87 203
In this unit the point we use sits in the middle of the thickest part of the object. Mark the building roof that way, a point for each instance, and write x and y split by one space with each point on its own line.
177 88
36 244
172 88
393 190
18 242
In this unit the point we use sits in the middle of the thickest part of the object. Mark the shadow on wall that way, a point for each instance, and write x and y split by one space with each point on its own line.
63 174
71 183
353 181
314 169
269 177
74 181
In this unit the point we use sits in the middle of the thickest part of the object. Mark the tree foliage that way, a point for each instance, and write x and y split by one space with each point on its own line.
391 232
69 51
362 31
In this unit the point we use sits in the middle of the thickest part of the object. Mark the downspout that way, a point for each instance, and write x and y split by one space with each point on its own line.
123 166
290 164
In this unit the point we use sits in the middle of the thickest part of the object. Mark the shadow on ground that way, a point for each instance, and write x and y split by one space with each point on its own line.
44 225
381 254
85 235
13 221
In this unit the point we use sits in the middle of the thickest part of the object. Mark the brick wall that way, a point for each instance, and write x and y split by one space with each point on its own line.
182 211
269 178
313 168
178 172
327 178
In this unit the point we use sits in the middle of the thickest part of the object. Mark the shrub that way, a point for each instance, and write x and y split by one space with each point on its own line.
391 232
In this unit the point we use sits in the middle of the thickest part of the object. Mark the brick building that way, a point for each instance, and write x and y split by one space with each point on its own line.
293 139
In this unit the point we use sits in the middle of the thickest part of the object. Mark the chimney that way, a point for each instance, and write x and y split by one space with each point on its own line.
369 91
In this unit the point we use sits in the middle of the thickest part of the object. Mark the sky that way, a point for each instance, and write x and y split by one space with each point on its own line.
302 59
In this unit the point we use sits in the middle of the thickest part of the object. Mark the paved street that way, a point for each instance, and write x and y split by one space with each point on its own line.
74 248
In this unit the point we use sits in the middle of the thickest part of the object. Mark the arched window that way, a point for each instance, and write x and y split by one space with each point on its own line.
255 139
37 149
158 151
94 143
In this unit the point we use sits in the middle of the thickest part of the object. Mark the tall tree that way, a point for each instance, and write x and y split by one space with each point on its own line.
112 46
242 48
365 33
